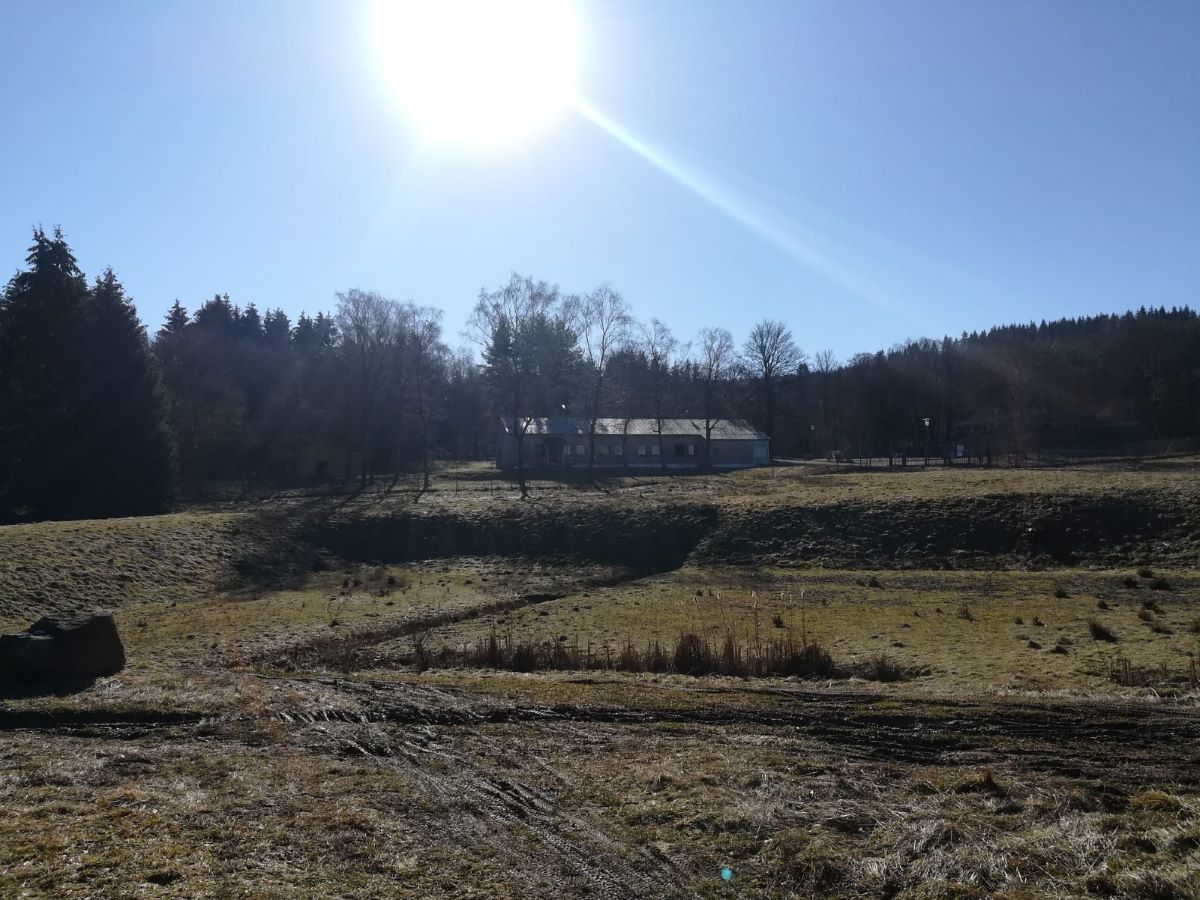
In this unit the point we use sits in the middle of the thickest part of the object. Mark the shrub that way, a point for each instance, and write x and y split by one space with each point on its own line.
1101 632
777 620
524 659
873 582
964 612
883 668
1145 573
422 657
1101 604
1061 593
809 660
1145 615
693 656
1130 583
1160 584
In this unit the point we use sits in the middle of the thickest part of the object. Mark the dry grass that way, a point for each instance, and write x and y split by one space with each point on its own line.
911 617
67 566
488 782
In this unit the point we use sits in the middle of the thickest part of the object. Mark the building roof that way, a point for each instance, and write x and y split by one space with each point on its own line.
722 429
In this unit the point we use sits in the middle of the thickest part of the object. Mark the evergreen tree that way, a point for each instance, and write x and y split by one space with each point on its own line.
41 376
130 460
81 428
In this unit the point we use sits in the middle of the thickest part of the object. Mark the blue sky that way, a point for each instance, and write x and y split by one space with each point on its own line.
867 172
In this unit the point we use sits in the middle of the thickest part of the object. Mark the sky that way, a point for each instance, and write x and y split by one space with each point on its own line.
867 172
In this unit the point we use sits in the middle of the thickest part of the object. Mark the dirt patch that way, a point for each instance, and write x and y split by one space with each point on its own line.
653 539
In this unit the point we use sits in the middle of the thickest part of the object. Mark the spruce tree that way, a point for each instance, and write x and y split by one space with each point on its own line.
129 447
42 333
82 431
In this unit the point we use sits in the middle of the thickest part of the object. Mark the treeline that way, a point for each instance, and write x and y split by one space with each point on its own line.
97 418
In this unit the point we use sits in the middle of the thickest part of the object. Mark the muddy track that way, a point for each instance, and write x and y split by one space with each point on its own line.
1080 739
1049 736
71 720
349 649
425 733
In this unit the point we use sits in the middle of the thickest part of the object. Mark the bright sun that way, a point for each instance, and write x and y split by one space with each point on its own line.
478 72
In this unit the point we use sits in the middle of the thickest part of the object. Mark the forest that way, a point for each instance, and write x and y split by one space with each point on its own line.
98 417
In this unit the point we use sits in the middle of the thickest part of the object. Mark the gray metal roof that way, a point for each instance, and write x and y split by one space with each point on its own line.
722 430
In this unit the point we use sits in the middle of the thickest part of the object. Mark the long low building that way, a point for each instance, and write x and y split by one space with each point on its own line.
563 441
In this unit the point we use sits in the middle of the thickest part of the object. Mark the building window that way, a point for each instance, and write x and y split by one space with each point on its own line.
566 449
691 449
579 451
618 449
602 449
641 449
654 449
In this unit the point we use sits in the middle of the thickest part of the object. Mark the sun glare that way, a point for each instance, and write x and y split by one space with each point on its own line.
478 72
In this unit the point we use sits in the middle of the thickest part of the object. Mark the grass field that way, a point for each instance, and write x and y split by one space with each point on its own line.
271 736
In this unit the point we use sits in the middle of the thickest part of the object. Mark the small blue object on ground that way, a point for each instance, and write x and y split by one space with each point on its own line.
727 873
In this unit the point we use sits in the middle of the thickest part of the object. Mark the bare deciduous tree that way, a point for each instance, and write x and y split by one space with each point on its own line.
660 348
825 364
602 321
367 323
768 355
507 324
427 357
715 356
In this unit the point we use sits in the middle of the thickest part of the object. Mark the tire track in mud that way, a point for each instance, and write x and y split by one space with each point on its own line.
470 796
914 730
1072 739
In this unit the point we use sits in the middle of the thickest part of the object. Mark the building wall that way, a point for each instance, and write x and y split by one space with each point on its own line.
632 451
741 454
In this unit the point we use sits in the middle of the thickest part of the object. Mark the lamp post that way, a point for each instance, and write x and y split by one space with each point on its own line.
927 421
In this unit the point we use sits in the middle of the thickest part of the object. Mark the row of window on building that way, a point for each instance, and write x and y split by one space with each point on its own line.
619 450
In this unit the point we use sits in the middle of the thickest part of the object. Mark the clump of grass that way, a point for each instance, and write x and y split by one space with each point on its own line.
1145 573
777 620
1124 673
1156 801
1018 621
1130 582
692 654
1145 615
981 783
883 668
1061 593
809 867
873 581
1160 584
964 612
1101 632
1102 604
